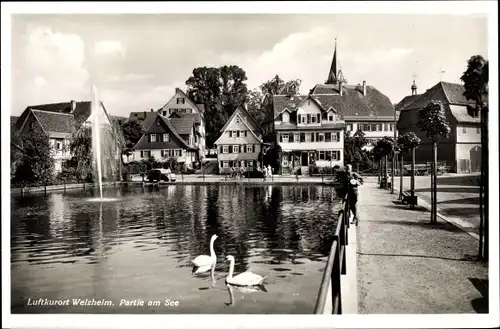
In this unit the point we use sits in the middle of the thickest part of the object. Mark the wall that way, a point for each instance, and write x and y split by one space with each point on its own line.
337 145
238 156
472 134
308 107
172 104
187 156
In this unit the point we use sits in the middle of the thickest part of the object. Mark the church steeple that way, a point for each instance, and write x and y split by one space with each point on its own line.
335 75
414 86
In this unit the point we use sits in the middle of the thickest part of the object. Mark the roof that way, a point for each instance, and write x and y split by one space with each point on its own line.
462 115
248 120
143 143
406 101
55 122
146 117
351 103
196 116
81 112
291 126
183 125
452 93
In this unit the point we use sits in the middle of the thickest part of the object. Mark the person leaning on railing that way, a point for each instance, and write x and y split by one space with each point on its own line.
351 181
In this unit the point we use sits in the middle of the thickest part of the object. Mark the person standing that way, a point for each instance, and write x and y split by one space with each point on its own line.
351 182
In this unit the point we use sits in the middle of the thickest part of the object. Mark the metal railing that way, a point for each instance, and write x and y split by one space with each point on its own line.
330 297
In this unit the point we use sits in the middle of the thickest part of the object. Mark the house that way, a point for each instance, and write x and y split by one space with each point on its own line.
462 149
180 105
240 142
167 138
362 107
308 131
58 121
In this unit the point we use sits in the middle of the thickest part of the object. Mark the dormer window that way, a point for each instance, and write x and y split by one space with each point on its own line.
331 117
285 117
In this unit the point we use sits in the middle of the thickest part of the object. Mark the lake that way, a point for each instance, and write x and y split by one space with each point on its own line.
132 254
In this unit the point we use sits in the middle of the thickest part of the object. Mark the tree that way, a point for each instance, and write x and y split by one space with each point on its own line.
36 165
275 86
476 78
353 147
132 132
382 149
81 149
221 90
434 123
408 142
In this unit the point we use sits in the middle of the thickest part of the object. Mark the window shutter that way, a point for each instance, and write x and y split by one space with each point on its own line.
253 148
338 136
298 118
230 149
245 133
230 134
239 148
142 154
281 138
319 117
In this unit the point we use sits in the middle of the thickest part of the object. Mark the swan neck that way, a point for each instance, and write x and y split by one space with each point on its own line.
231 269
212 251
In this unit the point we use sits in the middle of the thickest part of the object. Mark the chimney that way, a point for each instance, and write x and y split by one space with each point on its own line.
73 105
145 114
364 88
341 88
177 90
152 110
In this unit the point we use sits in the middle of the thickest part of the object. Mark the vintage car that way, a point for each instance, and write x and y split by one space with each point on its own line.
159 174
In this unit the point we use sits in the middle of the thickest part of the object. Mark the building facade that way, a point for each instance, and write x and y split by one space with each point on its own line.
307 133
58 121
461 151
240 142
362 107
168 138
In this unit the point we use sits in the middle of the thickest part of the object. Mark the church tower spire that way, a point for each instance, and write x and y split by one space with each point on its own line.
335 75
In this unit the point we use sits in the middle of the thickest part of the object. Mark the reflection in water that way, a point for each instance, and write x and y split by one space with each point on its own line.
141 245
244 291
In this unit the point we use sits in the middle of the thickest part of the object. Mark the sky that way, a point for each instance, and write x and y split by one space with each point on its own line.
137 60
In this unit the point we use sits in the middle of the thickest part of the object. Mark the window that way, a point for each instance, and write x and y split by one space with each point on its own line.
225 164
321 137
157 122
236 149
164 113
385 126
478 130
374 127
249 148
308 137
464 129
328 137
286 116
330 117
349 127
153 138
58 146
308 118
322 155
285 138
237 120
379 127
243 133
391 127
145 154
181 101
225 149
165 137
313 119
303 118
296 137
250 163
335 155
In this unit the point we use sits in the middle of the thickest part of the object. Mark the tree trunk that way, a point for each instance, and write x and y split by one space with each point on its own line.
434 182
393 166
401 177
385 171
379 170
412 184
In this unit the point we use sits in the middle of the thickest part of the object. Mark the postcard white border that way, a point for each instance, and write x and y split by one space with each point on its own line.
252 321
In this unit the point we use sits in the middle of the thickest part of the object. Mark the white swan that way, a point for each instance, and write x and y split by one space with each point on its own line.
204 263
244 279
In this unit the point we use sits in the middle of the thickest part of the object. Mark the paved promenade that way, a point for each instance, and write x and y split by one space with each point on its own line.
407 266
458 198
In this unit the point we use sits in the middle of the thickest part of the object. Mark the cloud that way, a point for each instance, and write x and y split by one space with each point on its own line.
51 67
129 77
109 47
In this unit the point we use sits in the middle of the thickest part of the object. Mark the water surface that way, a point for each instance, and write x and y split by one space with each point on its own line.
139 247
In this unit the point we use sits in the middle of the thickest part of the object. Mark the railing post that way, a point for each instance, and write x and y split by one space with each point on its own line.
343 268
337 309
